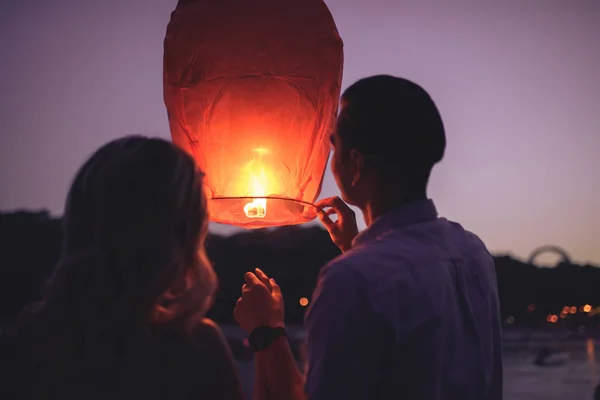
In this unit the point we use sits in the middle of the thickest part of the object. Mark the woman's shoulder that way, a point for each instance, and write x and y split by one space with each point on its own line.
205 333
202 335
201 346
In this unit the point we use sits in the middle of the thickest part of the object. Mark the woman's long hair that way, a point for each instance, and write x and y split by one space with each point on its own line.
133 258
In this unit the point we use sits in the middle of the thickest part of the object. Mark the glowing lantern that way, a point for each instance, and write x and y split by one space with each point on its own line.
252 88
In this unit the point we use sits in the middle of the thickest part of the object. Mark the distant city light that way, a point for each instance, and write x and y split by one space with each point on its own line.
593 311
531 308
303 301
566 309
573 309
587 308
552 318
510 320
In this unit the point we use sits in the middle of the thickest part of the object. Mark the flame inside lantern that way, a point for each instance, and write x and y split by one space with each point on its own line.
259 182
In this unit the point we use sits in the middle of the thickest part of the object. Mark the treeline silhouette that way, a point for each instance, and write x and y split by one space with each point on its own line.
30 244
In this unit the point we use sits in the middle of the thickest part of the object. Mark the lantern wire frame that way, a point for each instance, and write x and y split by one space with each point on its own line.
308 214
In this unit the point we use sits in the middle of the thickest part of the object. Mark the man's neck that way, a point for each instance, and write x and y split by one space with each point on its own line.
381 205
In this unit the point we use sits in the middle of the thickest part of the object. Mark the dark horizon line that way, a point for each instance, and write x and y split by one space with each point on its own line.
566 259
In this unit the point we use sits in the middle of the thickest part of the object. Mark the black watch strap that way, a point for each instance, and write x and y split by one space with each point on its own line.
260 338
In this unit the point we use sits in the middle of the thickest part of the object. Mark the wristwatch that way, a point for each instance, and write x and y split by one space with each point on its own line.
260 338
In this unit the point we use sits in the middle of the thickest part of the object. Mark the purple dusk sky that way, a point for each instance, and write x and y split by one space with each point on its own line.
516 82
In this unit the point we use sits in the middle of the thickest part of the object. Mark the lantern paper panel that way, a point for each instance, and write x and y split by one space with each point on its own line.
251 89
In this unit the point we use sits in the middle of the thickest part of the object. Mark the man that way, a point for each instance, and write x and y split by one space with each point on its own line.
410 309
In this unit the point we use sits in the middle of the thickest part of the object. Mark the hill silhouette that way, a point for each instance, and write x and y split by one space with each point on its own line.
30 244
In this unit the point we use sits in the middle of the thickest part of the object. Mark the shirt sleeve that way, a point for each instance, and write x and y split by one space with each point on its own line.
344 338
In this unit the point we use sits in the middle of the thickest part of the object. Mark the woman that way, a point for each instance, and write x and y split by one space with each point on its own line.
122 314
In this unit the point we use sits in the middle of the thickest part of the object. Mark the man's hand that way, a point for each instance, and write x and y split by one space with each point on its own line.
261 303
344 229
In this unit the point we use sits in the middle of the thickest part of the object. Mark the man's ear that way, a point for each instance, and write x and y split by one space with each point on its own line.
357 163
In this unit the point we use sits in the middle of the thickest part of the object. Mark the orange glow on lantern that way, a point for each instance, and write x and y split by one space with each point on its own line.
252 94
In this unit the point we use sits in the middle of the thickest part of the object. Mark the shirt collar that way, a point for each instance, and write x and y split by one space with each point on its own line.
410 213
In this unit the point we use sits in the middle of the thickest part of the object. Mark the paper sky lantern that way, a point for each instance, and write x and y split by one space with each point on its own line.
252 89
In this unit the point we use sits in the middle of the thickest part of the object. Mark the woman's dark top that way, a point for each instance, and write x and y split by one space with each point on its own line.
161 365
182 369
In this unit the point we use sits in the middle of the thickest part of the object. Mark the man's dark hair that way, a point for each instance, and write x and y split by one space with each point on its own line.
395 124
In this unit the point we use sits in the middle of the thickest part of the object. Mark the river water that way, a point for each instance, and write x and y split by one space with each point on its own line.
574 380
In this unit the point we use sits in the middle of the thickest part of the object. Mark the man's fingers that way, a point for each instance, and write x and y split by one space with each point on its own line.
328 222
342 208
251 279
276 289
263 277
336 203
326 202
